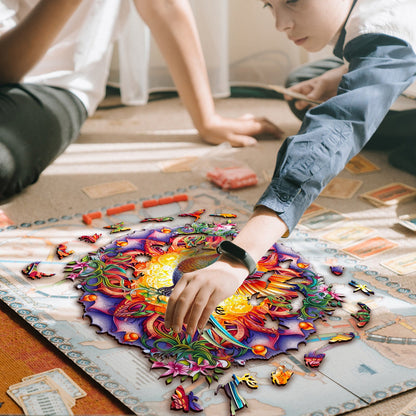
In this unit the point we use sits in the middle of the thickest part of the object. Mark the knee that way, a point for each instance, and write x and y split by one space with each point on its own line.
7 171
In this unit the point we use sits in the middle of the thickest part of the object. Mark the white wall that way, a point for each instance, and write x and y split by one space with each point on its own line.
256 53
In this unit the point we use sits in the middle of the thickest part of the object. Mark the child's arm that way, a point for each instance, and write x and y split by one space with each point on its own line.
381 67
24 45
197 294
173 27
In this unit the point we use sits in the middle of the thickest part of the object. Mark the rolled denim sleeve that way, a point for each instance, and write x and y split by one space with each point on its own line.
381 67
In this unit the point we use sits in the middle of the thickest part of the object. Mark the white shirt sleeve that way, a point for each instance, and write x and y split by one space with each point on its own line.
8 14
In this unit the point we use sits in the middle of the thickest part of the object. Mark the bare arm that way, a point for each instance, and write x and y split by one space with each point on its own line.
197 294
173 27
24 45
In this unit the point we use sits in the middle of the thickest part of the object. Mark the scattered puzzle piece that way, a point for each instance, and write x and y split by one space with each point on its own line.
117 228
224 215
281 375
185 402
362 315
61 251
196 214
157 219
237 402
337 270
31 271
344 337
313 359
90 238
363 287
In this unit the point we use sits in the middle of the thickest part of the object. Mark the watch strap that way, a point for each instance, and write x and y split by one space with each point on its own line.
235 252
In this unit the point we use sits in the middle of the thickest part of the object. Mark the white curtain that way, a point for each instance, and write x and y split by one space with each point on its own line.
240 44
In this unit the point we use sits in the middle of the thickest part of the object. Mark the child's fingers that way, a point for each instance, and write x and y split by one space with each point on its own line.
171 317
257 126
214 301
301 105
199 305
241 140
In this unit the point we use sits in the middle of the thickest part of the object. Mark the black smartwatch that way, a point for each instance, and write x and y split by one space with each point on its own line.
237 253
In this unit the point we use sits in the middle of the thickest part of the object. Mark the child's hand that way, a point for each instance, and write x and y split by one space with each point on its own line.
198 293
320 88
239 132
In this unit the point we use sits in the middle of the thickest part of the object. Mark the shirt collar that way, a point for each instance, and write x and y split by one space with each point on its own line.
339 46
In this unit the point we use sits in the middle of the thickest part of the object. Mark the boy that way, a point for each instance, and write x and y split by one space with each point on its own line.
377 39
54 61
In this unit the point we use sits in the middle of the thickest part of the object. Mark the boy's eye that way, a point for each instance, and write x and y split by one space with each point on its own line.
267 5
291 1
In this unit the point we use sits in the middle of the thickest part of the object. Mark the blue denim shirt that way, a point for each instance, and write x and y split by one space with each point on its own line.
381 67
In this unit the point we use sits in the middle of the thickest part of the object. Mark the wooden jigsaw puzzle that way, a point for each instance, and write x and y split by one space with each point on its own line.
103 307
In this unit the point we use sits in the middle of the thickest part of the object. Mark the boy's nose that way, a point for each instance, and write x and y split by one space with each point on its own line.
283 22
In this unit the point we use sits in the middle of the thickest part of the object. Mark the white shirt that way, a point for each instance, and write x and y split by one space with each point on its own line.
391 17
79 58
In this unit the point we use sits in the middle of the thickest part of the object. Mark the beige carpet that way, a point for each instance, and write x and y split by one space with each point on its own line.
136 143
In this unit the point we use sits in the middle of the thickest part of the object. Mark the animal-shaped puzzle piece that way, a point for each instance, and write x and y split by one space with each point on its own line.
281 375
362 315
117 228
337 270
363 287
31 271
185 402
343 337
196 214
224 215
313 359
90 238
237 402
61 251
157 219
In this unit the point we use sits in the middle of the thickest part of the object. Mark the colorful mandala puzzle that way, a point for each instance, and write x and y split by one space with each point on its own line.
126 285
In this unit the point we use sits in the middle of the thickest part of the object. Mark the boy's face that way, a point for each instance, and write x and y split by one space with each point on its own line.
311 24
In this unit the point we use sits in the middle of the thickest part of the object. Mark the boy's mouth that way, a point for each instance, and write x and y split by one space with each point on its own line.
300 41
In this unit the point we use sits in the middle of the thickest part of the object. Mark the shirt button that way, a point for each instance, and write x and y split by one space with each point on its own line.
284 197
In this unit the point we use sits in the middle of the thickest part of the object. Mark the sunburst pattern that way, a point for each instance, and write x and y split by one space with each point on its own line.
127 283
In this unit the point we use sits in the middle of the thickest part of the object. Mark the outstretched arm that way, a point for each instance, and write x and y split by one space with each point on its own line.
24 45
173 27
381 67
